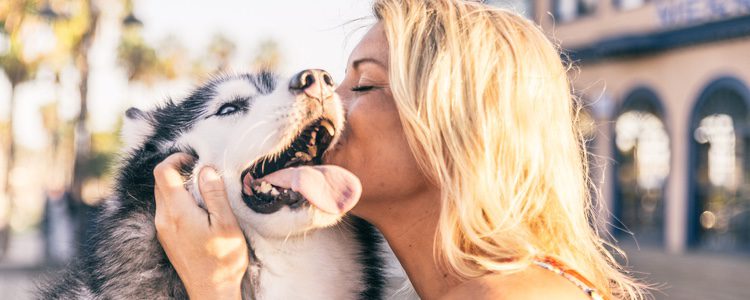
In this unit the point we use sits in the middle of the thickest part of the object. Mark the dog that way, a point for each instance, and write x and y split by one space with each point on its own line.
247 126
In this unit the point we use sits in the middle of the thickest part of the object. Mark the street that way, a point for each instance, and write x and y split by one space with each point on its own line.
686 276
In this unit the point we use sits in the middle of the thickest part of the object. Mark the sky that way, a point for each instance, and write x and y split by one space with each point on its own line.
310 34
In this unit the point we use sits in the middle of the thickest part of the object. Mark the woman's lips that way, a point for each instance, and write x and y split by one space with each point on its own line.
330 156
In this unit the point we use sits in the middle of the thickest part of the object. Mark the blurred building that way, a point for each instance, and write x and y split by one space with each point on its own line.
667 83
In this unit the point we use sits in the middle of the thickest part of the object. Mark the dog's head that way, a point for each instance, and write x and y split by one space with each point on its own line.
249 126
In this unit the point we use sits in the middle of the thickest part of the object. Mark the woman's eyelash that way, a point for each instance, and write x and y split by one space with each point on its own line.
363 88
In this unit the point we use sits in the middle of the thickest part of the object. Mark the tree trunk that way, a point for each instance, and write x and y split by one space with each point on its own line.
8 190
82 136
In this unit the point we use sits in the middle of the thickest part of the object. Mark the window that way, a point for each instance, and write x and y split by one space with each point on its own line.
568 10
630 4
720 163
523 7
642 155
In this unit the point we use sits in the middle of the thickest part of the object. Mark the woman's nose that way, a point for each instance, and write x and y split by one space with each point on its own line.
314 83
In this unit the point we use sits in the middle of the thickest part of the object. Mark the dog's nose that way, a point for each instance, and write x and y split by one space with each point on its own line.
314 83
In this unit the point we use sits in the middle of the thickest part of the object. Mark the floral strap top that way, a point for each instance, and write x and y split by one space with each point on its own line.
553 265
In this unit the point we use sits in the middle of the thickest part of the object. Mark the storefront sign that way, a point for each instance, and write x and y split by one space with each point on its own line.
673 13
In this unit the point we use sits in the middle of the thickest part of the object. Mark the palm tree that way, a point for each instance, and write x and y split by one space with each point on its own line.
220 52
74 35
267 56
139 59
18 69
81 45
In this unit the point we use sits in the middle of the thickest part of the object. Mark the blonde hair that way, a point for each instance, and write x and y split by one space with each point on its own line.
487 109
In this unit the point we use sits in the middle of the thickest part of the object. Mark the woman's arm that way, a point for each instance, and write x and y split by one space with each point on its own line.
207 248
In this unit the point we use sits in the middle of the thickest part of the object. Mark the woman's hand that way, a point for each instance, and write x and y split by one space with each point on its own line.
207 248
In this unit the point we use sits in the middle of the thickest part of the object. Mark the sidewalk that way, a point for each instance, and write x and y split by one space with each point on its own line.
685 276
22 266
693 275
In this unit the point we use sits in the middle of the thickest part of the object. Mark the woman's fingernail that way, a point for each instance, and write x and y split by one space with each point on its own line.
209 174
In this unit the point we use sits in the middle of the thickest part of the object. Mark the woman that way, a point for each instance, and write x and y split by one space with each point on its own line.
461 130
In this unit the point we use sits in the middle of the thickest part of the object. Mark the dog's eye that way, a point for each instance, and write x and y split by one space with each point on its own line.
227 109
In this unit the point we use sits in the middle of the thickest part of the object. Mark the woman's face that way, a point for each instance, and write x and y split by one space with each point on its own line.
373 145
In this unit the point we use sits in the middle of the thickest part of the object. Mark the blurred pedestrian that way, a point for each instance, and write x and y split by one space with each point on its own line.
58 226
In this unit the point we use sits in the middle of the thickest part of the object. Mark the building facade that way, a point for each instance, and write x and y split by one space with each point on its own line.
668 85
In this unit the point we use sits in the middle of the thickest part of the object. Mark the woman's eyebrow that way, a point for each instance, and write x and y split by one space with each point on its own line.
356 63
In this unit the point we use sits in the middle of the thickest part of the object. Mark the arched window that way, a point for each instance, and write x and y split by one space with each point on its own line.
719 165
568 10
642 157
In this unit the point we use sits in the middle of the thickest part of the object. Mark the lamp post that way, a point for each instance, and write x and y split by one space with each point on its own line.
131 21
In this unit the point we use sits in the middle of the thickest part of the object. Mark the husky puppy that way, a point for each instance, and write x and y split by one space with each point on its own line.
246 126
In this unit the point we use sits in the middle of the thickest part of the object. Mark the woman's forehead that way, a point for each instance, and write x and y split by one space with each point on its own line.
372 47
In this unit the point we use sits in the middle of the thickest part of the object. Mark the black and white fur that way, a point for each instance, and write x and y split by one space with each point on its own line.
295 254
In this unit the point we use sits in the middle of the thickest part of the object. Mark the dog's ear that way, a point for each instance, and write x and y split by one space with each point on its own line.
136 128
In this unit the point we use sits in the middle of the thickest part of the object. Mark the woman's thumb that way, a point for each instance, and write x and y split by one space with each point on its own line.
212 191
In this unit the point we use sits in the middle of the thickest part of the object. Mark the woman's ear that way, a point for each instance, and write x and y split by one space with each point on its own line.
136 128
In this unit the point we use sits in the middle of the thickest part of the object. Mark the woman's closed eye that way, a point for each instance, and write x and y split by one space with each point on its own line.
362 88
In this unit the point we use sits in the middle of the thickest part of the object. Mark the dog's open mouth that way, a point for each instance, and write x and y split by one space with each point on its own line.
306 150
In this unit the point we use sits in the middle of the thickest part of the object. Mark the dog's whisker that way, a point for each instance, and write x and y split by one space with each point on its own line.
244 135
263 166
287 237
248 130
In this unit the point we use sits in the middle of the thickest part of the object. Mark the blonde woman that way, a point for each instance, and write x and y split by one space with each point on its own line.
461 129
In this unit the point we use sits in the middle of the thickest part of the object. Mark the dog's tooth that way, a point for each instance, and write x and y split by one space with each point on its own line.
313 135
303 156
274 191
312 150
265 187
328 126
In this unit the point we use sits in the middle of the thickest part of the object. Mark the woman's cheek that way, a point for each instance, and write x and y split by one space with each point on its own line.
347 153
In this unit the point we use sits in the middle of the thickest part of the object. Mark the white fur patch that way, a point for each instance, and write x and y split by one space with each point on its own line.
238 87
135 131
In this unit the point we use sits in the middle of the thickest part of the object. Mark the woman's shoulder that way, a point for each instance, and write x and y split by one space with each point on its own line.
531 283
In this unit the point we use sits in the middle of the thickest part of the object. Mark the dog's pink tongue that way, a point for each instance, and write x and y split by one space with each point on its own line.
330 188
